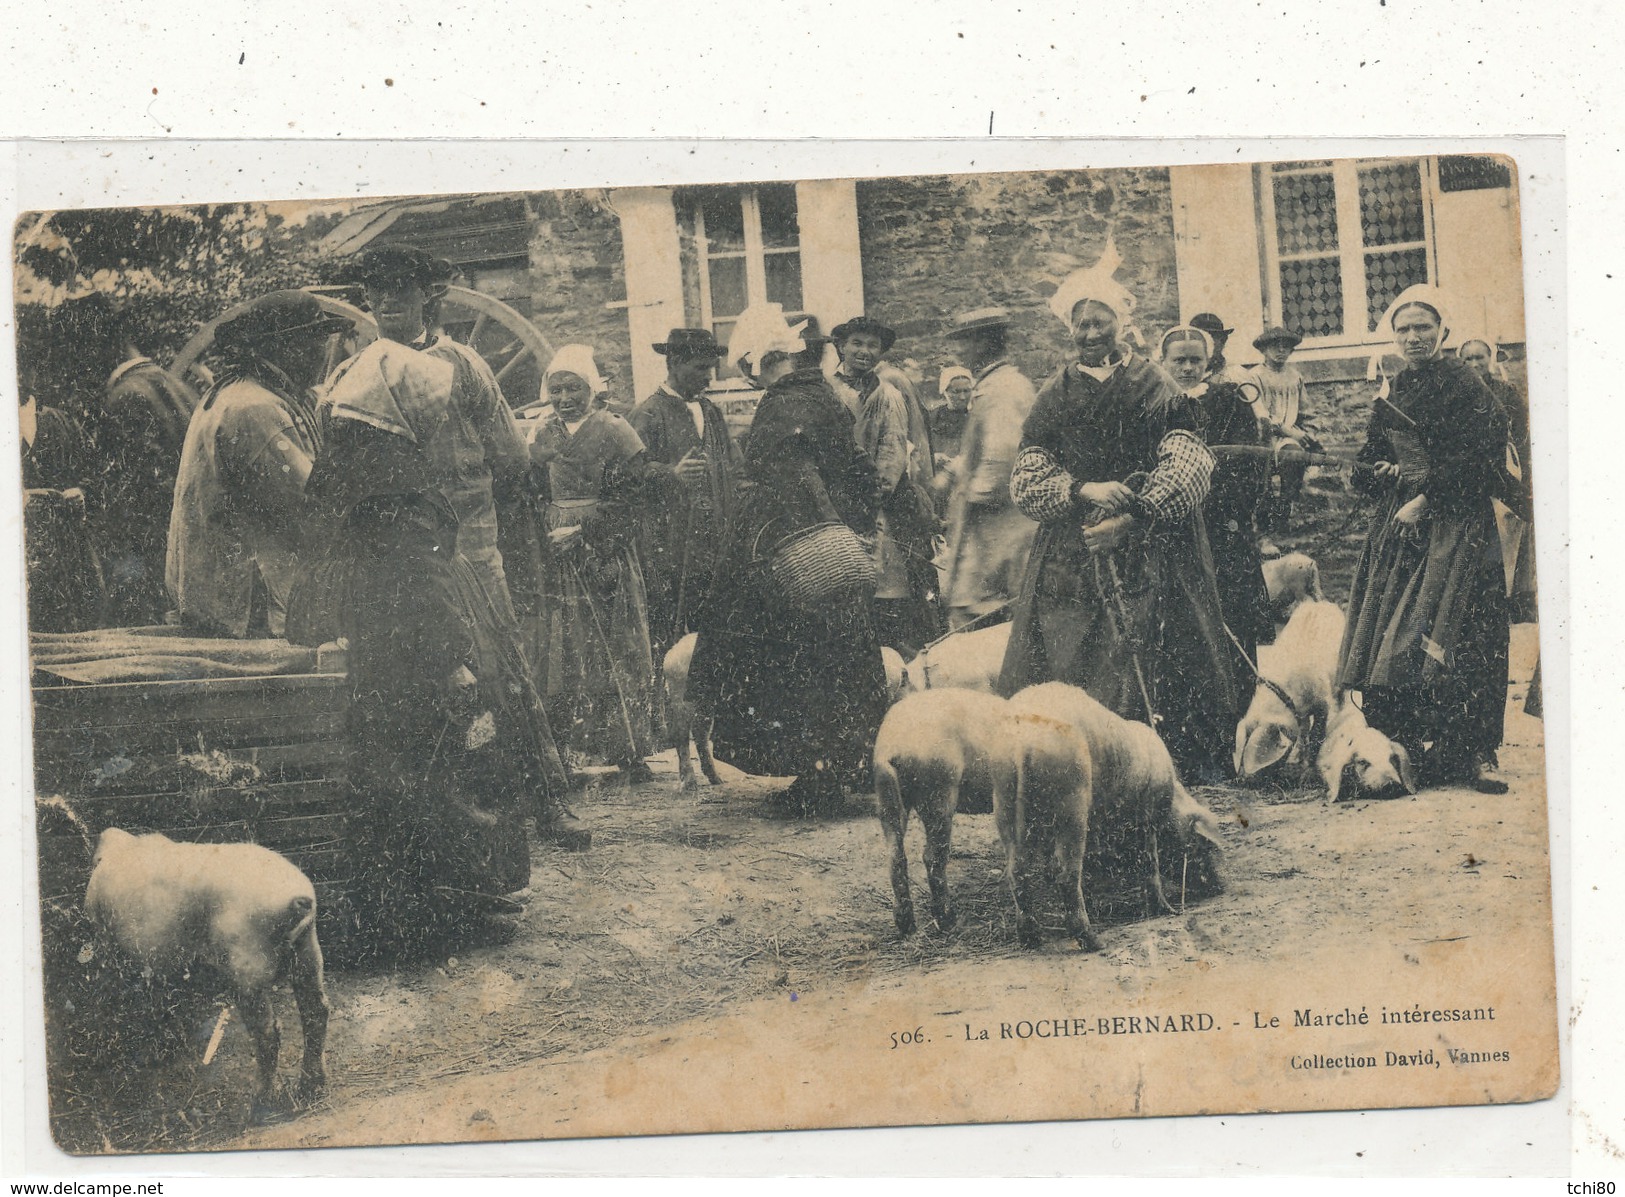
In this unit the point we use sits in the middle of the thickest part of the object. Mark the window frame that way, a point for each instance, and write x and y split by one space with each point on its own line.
1351 250
755 253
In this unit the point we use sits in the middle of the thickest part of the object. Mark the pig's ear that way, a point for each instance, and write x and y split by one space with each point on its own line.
1263 748
1206 826
1402 762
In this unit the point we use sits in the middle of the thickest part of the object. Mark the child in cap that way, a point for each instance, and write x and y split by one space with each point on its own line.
1280 404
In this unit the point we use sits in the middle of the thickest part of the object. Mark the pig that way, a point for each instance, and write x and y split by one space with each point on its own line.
685 728
968 660
937 753
1134 783
1357 755
1290 580
1303 664
243 909
1044 817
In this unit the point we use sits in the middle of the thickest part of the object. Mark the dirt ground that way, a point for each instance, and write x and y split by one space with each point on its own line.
692 910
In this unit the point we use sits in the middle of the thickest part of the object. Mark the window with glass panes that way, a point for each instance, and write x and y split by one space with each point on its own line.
749 243
1344 238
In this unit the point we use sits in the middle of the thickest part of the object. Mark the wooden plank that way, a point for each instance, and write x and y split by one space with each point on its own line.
111 706
223 804
100 744
72 697
160 772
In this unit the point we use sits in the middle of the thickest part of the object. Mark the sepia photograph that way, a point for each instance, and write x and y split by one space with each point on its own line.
799 653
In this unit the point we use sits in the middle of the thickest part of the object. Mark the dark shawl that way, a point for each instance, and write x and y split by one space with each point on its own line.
791 688
1063 627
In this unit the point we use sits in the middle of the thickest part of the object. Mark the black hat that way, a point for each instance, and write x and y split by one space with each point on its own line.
276 316
863 324
686 344
396 263
1276 335
1210 324
969 324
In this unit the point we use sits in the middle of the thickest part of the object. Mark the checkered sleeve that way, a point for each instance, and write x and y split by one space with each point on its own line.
1180 481
1039 487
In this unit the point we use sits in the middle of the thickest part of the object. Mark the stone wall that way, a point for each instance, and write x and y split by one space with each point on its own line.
935 246
577 269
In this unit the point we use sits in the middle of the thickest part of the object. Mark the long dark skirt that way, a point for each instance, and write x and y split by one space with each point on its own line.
441 779
1243 597
1427 639
1166 634
793 692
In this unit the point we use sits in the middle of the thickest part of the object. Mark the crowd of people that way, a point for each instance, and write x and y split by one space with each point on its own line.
507 586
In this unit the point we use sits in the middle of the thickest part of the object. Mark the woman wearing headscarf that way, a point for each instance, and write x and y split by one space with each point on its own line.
1119 595
593 627
1426 643
793 690
1482 353
1224 415
450 749
949 418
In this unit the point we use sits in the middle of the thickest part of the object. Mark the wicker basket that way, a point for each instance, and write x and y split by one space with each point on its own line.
820 563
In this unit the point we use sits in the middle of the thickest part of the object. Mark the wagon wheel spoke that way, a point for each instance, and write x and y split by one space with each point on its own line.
474 334
514 361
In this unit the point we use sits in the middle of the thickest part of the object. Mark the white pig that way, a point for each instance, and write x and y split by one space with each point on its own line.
1290 580
1303 664
1359 757
968 660
937 753
243 909
1044 817
683 727
1135 786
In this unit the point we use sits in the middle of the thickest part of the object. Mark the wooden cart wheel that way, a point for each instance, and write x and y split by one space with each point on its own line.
511 345
339 347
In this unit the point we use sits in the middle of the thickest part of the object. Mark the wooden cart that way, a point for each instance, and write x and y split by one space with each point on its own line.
258 759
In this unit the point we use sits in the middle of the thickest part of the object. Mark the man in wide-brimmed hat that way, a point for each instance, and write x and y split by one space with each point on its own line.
235 531
1280 405
988 536
480 455
908 611
686 516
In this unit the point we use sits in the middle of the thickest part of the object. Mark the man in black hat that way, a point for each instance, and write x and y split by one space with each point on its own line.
1282 416
481 457
695 463
988 536
907 604
235 532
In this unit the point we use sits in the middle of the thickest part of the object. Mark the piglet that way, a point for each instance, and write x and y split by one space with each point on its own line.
1291 580
242 909
1044 817
967 660
937 753
1358 757
1135 789
1302 664
683 726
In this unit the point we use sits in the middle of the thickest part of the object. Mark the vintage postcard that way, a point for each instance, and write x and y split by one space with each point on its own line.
812 652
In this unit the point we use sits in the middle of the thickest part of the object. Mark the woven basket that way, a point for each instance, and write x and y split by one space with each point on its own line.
820 563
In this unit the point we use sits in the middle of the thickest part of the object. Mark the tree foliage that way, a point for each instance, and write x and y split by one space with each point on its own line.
91 282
